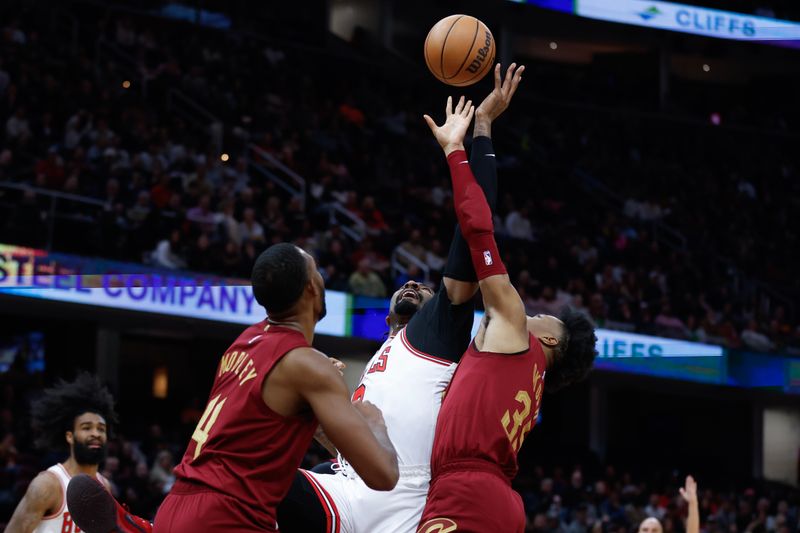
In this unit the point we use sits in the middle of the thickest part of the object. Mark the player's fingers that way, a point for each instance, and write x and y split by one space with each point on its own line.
460 105
509 76
471 112
431 124
516 80
448 110
466 109
498 84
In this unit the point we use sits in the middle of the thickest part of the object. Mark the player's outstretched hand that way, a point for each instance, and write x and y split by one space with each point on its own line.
689 492
450 135
498 100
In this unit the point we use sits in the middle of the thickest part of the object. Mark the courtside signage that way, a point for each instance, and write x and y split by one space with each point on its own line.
59 277
619 344
66 278
691 19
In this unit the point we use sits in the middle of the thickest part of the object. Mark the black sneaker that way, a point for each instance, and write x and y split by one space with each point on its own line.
95 510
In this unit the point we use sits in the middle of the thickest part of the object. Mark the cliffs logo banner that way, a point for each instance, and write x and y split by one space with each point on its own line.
438 525
650 13
692 19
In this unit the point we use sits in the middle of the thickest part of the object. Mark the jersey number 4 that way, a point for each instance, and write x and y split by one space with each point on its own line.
200 435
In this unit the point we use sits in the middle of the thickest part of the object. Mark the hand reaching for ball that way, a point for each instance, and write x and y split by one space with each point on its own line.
498 100
450 135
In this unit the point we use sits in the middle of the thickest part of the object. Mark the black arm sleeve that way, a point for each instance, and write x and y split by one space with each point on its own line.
484 167
440 328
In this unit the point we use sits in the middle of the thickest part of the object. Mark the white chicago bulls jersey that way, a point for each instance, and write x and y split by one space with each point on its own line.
61 520
407 386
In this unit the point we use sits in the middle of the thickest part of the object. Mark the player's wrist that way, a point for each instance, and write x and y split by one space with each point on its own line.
449 148
482 114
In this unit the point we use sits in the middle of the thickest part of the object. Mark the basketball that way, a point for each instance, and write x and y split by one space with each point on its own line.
459 50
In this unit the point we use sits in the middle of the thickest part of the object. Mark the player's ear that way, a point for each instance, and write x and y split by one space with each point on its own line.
387 320
70 437
549 341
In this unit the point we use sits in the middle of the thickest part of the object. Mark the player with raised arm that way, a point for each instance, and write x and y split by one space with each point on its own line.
689 494
271 391
495 396
407 377
76 415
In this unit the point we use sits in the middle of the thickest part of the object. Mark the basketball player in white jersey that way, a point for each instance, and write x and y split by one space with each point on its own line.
406 379
77 414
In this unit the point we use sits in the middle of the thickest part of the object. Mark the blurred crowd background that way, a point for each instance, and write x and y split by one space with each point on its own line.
166 143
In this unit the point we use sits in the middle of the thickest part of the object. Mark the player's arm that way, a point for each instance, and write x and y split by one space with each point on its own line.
459 274
356 430
42 497
689 493
506 331
320 435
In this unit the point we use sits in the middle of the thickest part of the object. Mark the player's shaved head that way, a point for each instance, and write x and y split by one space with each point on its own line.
279 276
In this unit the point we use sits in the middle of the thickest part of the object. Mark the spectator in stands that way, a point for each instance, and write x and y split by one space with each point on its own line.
412 247
668 323
518 225
168 253
372 216
201 215
584 252
161 474
250 229
365 282
18 130
754 339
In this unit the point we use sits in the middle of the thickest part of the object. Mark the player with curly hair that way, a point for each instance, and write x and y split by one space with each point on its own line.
74 416
496 392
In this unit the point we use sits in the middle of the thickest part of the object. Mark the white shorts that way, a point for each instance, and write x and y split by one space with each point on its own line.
353 507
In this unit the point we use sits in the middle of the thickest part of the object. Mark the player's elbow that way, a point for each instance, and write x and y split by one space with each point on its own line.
384 478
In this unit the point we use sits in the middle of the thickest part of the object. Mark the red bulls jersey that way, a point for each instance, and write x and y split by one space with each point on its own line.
241 448
491 405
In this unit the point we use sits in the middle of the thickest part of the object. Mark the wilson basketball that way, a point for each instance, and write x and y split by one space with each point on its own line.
459 50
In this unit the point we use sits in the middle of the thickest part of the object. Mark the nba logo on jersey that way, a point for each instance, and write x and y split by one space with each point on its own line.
487 258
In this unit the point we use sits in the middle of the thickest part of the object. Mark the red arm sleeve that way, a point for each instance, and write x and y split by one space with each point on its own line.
475 217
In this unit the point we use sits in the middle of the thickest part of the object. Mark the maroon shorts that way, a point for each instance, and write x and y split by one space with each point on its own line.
189 509
472 497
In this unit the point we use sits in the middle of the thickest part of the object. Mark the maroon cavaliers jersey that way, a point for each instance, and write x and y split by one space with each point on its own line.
491 405
241 448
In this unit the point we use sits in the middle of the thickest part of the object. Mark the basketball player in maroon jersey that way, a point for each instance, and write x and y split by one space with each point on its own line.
76 414
495 395
270 393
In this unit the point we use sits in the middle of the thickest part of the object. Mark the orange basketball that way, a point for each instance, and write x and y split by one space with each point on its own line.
459 50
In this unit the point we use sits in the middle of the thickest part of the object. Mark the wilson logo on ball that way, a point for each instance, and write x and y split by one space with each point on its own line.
459 50
482 53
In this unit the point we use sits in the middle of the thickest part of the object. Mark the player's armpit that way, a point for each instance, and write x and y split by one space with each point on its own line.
42 497
362 441
506 330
